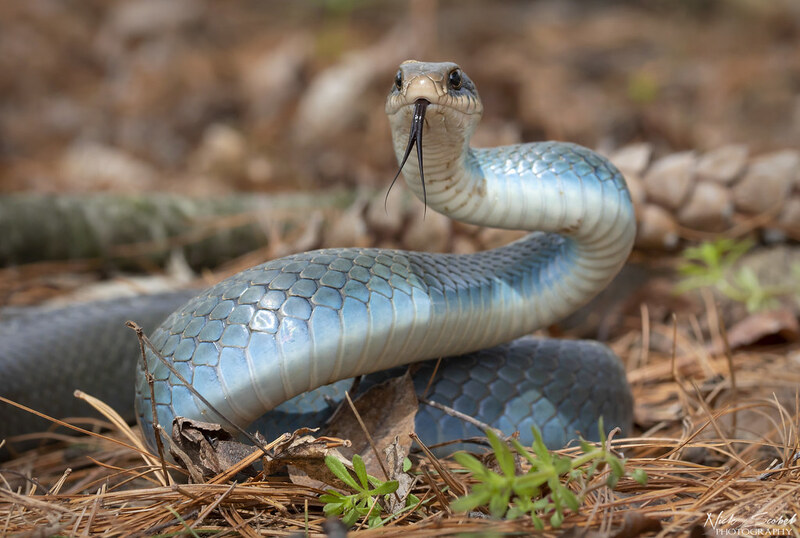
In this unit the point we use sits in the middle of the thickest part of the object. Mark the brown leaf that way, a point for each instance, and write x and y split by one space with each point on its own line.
305 459
191 446
770 325
388 411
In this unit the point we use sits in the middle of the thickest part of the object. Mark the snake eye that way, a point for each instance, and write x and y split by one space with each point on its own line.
398 80
454 80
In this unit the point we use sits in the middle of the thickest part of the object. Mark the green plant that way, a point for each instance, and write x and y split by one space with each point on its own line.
544 491
364 502
710 264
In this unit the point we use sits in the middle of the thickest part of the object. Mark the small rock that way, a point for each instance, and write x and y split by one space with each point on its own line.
632 159
657 228
767 182
222 151
723 165
709 208
670 178
93 166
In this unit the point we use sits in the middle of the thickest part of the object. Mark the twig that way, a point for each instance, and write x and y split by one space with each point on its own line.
458 414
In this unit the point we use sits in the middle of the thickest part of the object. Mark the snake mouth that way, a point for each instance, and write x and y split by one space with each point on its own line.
414 138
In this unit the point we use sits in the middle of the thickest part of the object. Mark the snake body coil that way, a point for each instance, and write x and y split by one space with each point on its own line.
259 340
291 325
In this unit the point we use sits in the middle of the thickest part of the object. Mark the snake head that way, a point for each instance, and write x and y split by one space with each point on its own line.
438 99
443 84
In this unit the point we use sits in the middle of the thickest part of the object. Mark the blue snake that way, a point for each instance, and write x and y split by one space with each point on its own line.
277 344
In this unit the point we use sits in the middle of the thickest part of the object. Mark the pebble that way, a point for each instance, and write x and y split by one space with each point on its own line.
767 182
657 229
222 151
94 166
724 164
669 180
632 159
709 208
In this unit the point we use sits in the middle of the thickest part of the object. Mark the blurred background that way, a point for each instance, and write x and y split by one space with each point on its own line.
203 97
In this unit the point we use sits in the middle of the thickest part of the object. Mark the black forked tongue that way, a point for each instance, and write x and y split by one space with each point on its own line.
414 137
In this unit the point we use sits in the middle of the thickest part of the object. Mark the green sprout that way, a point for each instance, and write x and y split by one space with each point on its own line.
544 491
366 501
710 264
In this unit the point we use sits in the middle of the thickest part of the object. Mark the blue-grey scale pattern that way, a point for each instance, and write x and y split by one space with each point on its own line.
530 381
209 339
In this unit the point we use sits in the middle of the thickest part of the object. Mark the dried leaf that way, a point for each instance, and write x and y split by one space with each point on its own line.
778 324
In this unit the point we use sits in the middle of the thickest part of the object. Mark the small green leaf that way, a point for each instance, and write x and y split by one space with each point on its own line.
471 463
537 522
570 499
612 480
350 518
561 465
557 519
617 467
361 471
472 501
498 504
505 459
385 488
341 472
406 465
524 452
539 447
331 497
640 476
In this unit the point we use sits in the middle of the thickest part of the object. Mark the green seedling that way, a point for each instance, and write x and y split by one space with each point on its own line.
544 492
369 497
710 265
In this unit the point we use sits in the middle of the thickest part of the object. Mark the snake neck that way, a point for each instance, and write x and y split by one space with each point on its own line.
553 187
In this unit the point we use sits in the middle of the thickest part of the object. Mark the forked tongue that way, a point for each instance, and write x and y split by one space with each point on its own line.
414 137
